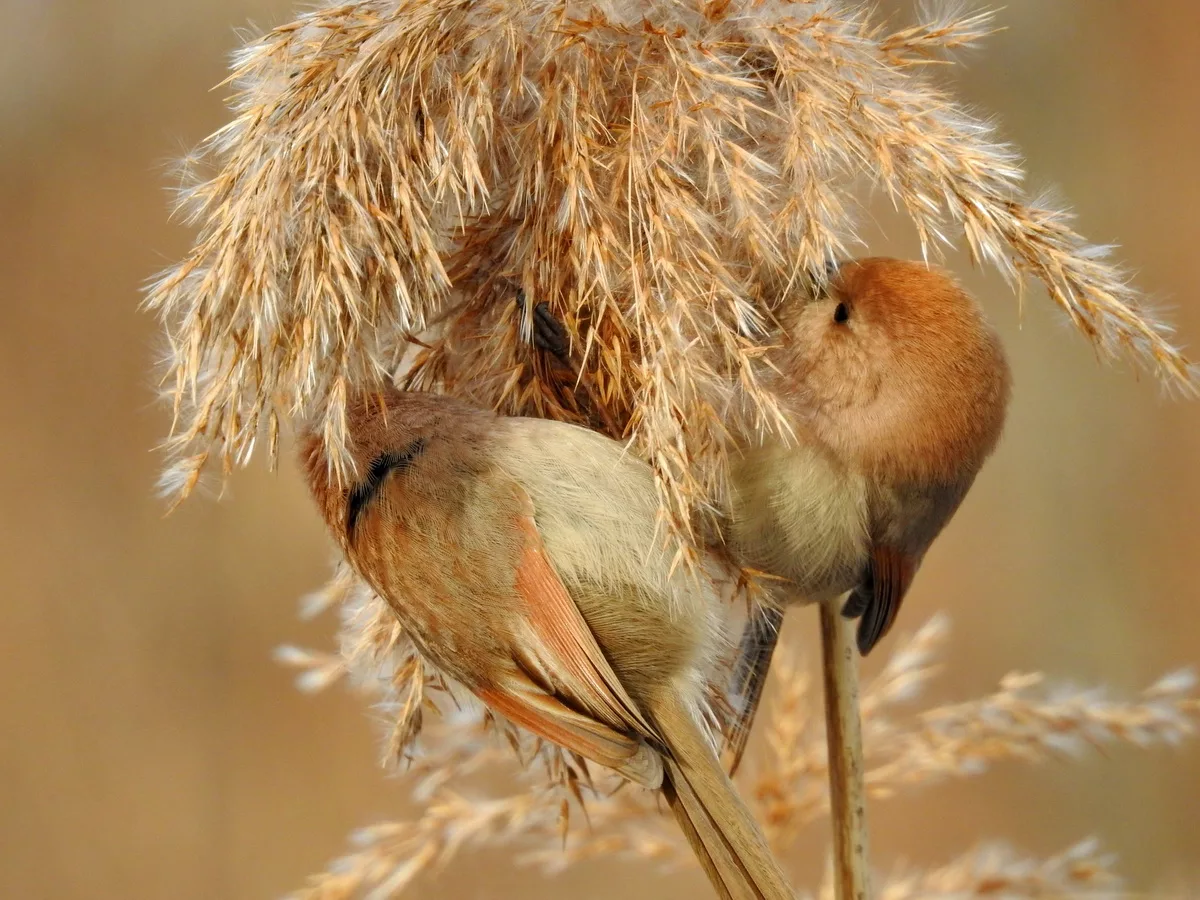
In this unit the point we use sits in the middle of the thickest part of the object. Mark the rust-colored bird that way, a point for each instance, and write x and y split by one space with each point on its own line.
521 556
896 388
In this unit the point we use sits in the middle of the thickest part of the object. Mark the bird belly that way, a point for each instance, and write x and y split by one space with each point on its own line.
799 515
596 509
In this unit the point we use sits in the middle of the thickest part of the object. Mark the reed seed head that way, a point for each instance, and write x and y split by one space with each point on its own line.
660 172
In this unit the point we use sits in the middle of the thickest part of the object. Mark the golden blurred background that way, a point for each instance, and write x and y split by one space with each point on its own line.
151 748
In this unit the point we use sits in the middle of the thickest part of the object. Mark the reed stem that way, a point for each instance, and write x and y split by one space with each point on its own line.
847 795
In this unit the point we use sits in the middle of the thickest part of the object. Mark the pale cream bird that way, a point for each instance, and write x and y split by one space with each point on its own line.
522 557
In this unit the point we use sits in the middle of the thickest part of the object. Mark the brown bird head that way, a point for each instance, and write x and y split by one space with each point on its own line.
388 431
367 418
896 368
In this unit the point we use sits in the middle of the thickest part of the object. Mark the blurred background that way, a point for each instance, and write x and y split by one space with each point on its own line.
150 747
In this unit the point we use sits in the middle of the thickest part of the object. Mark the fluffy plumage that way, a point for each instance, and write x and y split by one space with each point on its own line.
522 557
896 388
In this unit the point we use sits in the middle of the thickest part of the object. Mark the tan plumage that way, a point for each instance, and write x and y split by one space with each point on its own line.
896 388
521 555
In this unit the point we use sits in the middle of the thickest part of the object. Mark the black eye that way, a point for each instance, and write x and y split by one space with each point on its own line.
841 315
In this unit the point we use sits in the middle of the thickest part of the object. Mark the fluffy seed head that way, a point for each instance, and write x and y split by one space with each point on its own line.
660 173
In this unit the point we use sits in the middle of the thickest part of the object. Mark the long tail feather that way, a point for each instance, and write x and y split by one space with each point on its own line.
727 841
691 827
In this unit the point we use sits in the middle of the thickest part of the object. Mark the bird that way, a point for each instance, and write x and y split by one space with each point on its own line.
522 556
895 388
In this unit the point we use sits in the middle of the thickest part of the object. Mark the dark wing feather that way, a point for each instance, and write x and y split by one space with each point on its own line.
890 574
751 668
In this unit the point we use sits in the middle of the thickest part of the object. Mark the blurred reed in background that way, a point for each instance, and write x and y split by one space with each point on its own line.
152 748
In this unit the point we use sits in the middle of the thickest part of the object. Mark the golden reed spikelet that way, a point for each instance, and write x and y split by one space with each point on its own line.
659 172
552 811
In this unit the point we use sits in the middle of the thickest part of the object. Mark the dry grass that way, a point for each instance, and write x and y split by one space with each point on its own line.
660 173
556 811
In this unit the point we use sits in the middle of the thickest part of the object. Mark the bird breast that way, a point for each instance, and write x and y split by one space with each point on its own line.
798 514
596 509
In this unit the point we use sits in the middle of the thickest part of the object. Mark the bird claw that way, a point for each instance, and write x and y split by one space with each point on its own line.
548 332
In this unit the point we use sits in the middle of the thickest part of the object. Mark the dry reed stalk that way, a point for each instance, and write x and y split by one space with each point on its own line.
843 730
555 812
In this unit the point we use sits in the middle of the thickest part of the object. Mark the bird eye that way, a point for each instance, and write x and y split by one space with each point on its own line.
841 315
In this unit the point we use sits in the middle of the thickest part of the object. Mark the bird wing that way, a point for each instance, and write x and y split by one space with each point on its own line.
891 573
561 686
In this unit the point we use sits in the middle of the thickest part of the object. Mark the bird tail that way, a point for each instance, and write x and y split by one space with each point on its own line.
728 843
750 678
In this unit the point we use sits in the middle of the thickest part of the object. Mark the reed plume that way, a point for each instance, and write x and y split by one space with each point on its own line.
659 172
554 811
